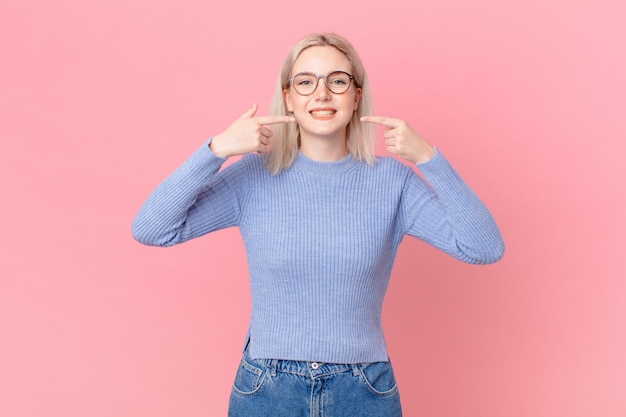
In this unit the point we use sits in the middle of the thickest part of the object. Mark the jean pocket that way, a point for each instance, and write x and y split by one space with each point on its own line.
378 378
250 377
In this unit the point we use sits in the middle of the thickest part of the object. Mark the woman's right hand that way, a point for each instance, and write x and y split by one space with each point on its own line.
247 134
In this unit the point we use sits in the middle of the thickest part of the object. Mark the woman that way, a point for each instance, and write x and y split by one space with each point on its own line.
321 220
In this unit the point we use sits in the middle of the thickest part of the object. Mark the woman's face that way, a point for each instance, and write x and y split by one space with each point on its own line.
322 114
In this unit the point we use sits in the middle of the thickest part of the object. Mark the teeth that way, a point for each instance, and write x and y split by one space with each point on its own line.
322 113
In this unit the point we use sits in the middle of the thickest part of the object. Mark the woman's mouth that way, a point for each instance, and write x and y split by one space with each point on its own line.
323 113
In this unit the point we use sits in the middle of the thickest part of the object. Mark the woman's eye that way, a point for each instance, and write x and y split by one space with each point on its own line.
338 82
305 82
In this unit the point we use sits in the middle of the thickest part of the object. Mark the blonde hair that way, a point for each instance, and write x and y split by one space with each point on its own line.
286 137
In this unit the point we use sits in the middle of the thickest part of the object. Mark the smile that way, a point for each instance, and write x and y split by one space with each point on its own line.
322 113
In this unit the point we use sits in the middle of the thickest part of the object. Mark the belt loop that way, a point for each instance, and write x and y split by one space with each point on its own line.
273 366
355 369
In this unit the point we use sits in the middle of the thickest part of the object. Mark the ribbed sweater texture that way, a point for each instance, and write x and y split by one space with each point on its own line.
320 239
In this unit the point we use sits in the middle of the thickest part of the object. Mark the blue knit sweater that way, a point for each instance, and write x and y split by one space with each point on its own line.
320 239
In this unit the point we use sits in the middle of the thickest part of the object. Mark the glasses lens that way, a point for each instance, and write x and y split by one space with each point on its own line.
338 82
304 83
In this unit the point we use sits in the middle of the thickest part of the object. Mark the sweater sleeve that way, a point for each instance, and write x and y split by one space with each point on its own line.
193 200
448 215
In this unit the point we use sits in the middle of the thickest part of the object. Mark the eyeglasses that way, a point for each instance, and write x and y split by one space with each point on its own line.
305 83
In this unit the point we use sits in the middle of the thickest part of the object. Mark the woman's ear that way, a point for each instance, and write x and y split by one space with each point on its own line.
357 98
288 102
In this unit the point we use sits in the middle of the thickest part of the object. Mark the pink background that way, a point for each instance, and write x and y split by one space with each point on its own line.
100 100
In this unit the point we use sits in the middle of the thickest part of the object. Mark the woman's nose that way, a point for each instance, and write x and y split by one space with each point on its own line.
321 92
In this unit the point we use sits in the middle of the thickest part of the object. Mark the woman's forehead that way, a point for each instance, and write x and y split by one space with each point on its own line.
321 60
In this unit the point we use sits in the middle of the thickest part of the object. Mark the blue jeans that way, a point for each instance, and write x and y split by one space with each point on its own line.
279 388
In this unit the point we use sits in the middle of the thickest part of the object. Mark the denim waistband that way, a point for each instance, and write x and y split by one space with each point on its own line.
303 368
309 369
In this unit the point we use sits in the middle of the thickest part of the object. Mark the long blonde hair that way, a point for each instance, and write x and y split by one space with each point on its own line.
286 137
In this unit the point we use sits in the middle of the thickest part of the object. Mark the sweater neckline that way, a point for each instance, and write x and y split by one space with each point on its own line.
306 164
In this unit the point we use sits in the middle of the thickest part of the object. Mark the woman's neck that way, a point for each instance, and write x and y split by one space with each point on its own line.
324 149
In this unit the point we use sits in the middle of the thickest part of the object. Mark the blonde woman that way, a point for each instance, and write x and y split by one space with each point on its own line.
321 218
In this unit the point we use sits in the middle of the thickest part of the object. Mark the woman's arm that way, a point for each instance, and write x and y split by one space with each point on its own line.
448 215
196 199
192 201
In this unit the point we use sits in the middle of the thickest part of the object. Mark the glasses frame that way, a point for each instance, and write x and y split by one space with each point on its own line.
317 81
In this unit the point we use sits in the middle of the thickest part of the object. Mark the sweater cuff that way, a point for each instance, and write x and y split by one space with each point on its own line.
202 163
434 163
440 174
209 153
204 156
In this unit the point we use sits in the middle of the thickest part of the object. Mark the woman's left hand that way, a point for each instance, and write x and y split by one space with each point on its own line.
402 140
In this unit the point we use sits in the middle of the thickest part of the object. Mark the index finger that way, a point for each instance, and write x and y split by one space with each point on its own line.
270 120
384 121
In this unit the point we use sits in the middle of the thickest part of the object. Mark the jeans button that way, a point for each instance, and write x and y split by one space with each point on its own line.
315 365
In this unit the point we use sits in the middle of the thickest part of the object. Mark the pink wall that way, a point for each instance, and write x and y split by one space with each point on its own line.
99 100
